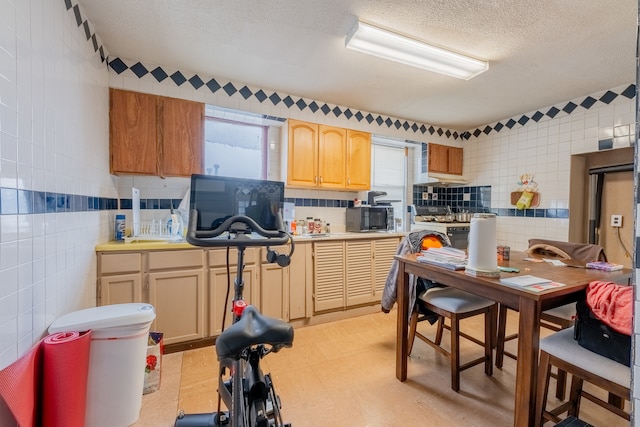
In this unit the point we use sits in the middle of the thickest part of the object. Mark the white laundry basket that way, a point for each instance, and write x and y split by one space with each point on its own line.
119 335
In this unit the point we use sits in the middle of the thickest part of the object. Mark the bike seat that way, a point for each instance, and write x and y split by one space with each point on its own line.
253 328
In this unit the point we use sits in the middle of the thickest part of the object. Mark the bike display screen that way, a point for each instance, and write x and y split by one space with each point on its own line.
217 198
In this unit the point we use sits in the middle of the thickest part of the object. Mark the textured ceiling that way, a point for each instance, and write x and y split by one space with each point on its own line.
540 53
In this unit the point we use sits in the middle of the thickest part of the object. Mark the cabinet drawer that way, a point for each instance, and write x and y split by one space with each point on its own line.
120 263
176 259
218 257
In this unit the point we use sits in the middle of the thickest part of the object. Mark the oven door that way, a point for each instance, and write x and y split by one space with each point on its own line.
459 237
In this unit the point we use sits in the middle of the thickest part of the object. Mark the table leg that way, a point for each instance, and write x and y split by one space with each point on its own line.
528 345
402 346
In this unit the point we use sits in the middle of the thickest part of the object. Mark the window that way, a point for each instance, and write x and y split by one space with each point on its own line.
235 149
236 142
389 167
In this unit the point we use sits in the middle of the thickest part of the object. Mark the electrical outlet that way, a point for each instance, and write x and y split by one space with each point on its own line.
616 220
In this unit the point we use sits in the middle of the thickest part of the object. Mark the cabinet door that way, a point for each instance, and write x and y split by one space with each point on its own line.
274 283
455 160
179 302
119 278
181 133
301 282
217 291
359 270
383 253
328 275
302 162
358 160
438 158
332 148
132 133
120 289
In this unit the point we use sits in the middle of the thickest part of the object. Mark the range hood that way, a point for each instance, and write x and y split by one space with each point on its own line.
444 180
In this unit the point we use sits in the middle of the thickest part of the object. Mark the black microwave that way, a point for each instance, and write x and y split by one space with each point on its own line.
370 218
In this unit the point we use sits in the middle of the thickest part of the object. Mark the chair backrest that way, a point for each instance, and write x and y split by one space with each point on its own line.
581 253
416 238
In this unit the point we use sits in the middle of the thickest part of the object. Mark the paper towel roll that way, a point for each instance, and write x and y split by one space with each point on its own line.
482 245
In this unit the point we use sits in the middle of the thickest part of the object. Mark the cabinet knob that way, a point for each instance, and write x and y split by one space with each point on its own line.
320 180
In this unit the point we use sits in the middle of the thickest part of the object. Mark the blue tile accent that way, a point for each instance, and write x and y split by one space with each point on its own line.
9 197
25 202
126 204
196 82
39 202
76 13
159 74
608 97
139 70
605 144
213 85
178 78
629 92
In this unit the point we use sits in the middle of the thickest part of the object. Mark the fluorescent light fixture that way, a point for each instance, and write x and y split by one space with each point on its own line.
384 44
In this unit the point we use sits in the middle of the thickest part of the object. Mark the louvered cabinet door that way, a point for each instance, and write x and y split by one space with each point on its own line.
383 253
359 270
329 277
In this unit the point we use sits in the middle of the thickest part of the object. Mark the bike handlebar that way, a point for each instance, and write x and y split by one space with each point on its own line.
210 238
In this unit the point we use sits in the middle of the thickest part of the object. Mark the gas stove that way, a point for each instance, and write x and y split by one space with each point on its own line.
432 218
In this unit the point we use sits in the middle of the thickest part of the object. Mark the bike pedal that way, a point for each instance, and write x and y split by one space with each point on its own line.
221 419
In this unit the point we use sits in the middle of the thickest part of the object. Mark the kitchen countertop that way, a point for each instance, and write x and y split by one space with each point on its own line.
440 224
113 246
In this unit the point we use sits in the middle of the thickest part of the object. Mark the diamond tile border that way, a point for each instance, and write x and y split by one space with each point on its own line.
136 69
552 112
139 70
91 36
198 82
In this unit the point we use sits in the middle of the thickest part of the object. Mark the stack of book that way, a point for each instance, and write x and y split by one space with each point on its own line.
447 257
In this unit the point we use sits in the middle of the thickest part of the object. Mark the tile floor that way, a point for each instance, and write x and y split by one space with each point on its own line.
343 374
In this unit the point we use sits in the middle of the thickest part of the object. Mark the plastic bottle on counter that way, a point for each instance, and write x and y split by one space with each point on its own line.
328 228
119 227
293 227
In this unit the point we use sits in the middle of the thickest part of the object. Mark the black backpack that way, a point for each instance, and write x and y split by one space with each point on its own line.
595 335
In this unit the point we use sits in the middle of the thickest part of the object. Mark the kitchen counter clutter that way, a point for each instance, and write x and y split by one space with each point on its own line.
330 276
161 245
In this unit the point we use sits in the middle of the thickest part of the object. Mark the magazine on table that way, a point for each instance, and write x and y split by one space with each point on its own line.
446 257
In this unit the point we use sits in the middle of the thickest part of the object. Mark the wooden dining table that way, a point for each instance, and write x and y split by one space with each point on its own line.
527 302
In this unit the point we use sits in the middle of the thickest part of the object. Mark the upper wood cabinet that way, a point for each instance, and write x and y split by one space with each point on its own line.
322 156
182 135
332 146
302 166
358 160
132 132
155 135
445 159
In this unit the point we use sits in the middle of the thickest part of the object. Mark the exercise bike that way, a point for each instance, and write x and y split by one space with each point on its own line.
248 393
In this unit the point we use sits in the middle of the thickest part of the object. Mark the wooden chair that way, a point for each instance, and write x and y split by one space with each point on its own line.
557 318
455 305
564 352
